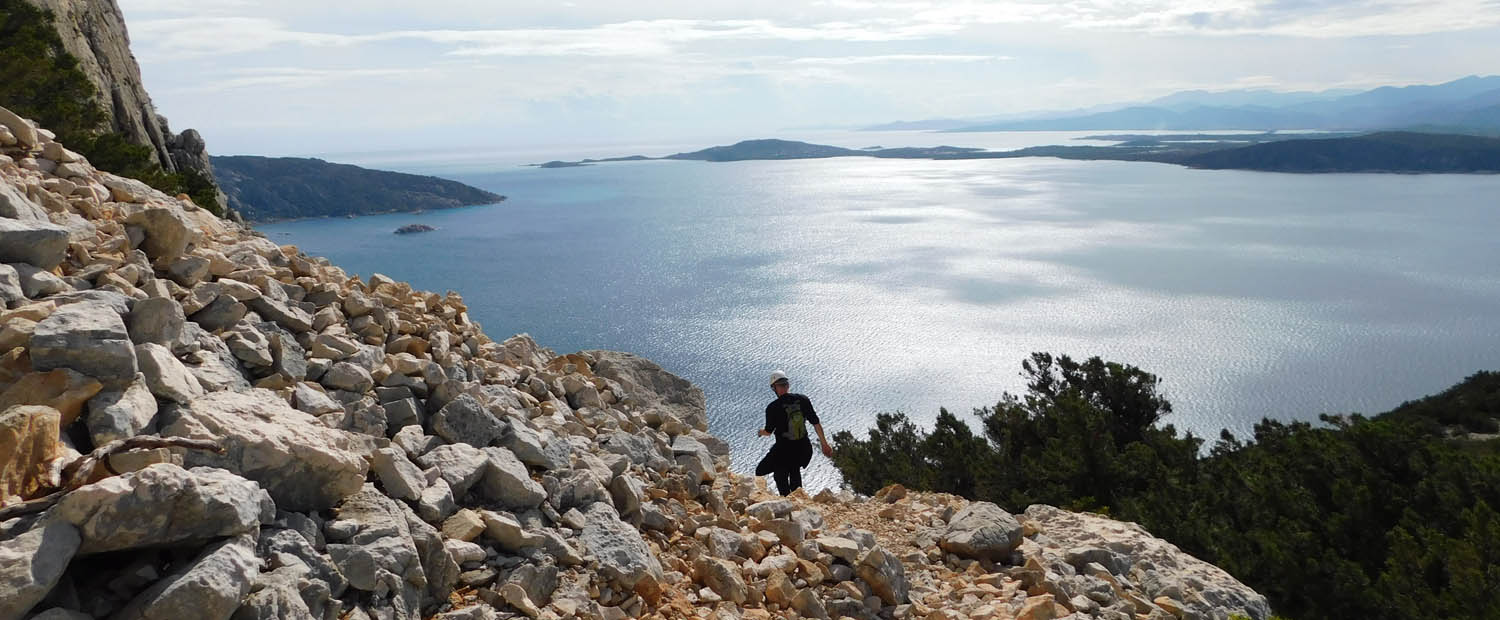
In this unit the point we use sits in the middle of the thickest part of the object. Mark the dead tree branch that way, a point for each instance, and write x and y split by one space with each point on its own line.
84 469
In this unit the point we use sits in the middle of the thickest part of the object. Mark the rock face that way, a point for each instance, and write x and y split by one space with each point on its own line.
122 413
884 573
380 557
165 376
94 33
355 448
465 420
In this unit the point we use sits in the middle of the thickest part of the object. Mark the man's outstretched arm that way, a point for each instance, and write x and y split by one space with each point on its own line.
827 449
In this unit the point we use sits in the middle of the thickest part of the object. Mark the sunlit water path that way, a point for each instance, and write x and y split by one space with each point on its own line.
885 285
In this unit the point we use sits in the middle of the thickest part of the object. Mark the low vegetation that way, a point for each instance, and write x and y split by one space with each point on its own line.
1386 517
43 82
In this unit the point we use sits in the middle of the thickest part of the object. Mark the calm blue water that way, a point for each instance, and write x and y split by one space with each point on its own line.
886 285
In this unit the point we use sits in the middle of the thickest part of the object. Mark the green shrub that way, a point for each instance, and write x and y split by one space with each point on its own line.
1351 518
41 79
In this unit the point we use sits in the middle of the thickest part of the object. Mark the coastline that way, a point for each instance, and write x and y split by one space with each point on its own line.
257 222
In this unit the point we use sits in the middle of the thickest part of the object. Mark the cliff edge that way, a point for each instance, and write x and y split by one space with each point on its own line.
93 33
197 422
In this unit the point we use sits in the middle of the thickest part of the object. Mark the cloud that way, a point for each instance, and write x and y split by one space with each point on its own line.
859 21
1296 18
893 58
709 66
181 37
185 6
292 77
196 36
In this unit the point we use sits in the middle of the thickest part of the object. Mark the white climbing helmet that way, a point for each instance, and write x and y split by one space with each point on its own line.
777 375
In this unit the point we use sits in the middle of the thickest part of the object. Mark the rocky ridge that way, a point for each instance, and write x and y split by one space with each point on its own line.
196 422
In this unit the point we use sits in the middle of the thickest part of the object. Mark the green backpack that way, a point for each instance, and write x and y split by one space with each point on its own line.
796 425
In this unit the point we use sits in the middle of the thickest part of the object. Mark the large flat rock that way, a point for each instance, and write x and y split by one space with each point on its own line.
42 244
164 504
301 463
89 338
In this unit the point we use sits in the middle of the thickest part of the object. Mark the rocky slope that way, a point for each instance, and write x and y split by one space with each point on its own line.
93 32
198 423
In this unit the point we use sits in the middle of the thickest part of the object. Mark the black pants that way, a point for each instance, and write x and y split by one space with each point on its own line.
785 462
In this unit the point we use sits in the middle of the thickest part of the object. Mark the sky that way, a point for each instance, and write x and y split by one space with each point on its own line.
284 77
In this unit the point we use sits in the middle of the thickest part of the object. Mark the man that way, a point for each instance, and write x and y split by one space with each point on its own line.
787 418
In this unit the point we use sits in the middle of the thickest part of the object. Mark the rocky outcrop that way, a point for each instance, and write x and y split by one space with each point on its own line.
352 448
1130 554
94 34
669 396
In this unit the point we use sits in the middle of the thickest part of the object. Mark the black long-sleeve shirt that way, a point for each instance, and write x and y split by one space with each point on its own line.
783 414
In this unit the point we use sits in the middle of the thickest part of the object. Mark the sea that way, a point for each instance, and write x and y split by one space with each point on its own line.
886 285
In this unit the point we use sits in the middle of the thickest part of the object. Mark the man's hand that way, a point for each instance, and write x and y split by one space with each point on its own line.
827 450
762 433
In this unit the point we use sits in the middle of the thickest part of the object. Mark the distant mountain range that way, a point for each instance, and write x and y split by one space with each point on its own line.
1467 105
1404 152
273 188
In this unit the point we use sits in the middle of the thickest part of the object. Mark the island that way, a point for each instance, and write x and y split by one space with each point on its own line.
1386 151
414 228
265 189
588 162
782 149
